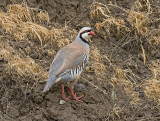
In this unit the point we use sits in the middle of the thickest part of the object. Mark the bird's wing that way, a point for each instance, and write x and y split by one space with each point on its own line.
74 61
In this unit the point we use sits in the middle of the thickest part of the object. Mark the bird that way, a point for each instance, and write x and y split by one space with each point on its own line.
69 62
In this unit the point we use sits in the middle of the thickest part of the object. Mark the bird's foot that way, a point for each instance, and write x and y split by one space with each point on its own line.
66 98
63 95
77 98
74 96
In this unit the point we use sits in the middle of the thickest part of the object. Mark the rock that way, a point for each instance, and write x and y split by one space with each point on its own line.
137 89
141 94
1 59
38 117
79 87
26 118
13 112
61 102
53 110
74 106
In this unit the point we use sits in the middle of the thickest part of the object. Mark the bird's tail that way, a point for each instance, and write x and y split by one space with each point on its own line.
51 80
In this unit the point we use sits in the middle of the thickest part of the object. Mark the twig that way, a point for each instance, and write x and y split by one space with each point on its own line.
9 118
143 51
96 87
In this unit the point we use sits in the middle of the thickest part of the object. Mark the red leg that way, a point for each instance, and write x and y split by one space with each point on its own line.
74 95
63 95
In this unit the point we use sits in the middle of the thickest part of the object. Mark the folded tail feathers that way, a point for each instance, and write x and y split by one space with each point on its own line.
52 79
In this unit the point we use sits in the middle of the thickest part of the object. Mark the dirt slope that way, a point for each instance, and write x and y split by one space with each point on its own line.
109 94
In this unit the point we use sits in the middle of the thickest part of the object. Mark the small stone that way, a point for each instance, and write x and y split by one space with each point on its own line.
74 106
53 110
86 84
137 89
141 94
155 104
26 118
61 102
79 87
1 59
37 117
13 112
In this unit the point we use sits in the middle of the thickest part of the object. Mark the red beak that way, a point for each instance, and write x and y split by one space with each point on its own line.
92 33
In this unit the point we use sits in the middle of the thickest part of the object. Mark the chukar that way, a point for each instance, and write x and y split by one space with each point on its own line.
69 63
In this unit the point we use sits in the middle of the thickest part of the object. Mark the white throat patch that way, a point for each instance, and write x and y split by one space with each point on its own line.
86 36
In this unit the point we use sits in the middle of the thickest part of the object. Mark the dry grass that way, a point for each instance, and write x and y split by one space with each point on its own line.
27 14
26 25
155 68
152 89
23 12
21 22
119 78
99 11
96 62
42 17
137 19
138 22
152 86
120 73
23 66
95 54
128 87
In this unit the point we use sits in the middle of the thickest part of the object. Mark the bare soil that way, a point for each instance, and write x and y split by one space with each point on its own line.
22 98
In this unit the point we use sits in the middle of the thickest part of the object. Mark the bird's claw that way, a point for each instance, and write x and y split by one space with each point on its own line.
67 98
77 98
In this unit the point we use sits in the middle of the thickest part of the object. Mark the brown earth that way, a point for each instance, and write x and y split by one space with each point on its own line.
22 97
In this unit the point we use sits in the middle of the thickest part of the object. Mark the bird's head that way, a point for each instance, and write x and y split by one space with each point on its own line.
85 33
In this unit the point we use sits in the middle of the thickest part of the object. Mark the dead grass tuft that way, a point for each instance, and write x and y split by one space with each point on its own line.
120 73
152 86
24 66
95 54
133 27
99 68
128 87
27 14
117 21
58 37
23 12
96 63
105 20
139 20
155 68
21 22
42 17
152 89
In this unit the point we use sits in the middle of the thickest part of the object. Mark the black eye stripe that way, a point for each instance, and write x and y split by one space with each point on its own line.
86 31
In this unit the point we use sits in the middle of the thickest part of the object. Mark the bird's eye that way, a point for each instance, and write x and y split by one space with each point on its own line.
87 31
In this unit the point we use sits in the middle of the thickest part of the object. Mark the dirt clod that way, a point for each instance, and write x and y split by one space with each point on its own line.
79 87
